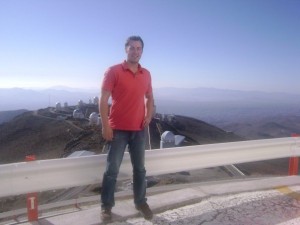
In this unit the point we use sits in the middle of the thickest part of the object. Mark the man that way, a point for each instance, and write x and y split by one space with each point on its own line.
129 86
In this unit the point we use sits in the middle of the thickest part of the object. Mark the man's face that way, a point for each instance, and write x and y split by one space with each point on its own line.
134 51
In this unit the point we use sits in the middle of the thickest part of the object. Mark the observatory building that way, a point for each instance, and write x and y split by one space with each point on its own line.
77 114
169 140
96 100
58 106
94 119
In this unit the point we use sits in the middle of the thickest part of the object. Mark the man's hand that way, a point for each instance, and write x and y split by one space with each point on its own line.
149 109
146 121
107 133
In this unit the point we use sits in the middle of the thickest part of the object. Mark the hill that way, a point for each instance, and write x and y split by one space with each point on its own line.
268 127
6 116
48 133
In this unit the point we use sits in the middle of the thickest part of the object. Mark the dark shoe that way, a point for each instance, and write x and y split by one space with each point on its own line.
145 211
106 214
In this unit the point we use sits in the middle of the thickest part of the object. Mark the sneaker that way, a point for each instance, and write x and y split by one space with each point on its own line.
145 211
106 214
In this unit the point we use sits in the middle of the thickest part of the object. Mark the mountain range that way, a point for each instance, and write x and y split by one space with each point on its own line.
226 106
19 98
197 102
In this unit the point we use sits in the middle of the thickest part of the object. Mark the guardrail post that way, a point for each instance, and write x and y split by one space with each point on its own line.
32 199
293 166
294 162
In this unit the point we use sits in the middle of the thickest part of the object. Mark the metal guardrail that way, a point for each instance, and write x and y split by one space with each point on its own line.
44 175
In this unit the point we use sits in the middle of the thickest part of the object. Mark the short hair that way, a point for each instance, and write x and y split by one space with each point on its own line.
134 38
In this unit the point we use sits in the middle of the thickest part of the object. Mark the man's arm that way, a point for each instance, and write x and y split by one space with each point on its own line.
107 131
149 109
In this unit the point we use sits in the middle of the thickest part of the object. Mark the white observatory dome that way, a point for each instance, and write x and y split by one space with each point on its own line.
58 106
77 114
168 136
94 118
96 100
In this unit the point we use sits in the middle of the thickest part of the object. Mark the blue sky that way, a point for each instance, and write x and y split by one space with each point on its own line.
228 44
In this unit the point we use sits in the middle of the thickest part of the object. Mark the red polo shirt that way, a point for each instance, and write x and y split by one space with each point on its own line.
128 92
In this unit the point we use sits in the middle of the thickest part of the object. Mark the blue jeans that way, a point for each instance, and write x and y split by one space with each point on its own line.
116 149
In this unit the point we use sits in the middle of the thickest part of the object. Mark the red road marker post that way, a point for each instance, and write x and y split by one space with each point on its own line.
32 199
294 161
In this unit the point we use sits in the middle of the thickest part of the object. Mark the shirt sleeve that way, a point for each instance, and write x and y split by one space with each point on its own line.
108 80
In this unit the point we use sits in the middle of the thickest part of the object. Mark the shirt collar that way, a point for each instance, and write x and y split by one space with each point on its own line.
125 67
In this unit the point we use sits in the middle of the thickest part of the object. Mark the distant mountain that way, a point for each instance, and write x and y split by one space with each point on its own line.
218 95
252 115
18 98
218 106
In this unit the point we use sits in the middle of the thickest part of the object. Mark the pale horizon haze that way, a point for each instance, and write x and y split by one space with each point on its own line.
230 44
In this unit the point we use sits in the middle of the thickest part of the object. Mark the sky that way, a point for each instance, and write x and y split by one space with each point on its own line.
251 45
